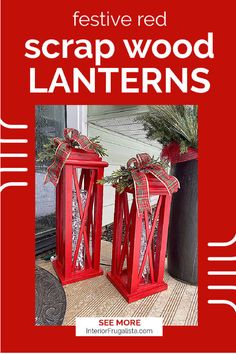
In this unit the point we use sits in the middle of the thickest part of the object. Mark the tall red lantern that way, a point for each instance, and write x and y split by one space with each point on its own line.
79 203
139 242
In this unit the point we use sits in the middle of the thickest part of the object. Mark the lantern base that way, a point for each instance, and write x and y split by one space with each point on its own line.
143 291
76 276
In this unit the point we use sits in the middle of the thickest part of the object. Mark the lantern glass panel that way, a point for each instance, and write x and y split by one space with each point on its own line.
83 199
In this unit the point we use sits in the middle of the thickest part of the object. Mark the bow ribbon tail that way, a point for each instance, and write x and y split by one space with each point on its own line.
61 155
171 183
141 191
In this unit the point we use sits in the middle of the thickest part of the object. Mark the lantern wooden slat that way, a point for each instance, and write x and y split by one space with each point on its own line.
80 173
127 264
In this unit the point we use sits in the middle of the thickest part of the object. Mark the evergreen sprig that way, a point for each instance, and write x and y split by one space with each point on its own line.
100 150
49 149
122 178
47 153
173 123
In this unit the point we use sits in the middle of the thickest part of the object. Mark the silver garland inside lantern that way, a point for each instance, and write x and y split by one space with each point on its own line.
76 224
143 247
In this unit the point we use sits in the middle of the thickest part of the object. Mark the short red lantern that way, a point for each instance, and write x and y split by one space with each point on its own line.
79 202
139 239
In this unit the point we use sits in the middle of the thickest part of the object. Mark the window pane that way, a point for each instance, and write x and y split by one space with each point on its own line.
50 122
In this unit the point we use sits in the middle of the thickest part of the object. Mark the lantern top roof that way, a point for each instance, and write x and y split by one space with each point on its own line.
84 158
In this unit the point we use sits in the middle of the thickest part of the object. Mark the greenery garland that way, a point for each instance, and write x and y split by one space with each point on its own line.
122 178
173 123
49 149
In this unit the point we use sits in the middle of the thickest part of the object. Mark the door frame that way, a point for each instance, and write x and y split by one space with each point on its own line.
77 118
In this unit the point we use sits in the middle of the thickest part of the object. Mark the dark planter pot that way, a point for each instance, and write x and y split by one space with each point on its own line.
183 230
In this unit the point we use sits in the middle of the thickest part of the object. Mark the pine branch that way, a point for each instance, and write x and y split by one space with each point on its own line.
167 124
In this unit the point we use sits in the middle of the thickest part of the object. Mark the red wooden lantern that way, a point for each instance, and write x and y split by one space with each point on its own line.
139 243
79 201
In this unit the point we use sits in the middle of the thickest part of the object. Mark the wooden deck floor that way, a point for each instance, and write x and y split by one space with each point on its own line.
178 305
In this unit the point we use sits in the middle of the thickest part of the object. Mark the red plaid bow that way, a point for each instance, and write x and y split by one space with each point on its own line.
63 152
139 167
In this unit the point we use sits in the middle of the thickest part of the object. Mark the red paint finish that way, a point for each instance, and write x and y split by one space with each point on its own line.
127 265
80 172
